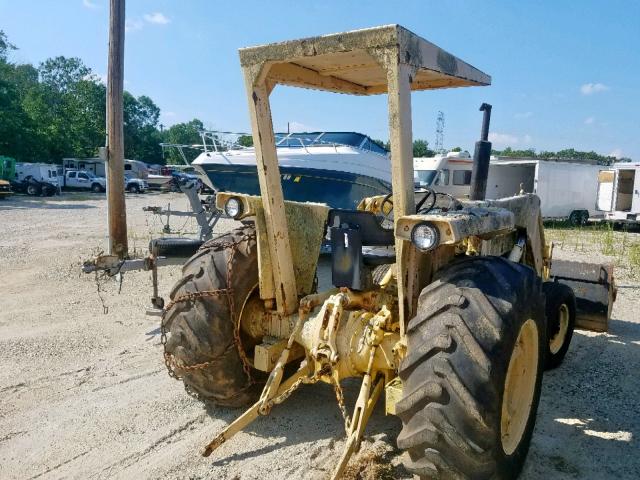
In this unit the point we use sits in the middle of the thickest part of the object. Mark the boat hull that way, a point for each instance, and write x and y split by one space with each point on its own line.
337 189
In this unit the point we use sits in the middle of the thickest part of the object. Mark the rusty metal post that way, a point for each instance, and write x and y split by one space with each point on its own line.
115 137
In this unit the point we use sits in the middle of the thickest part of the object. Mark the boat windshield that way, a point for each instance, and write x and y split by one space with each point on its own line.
424 177
353 139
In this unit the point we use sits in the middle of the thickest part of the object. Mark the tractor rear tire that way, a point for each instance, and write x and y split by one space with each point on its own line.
467 409
202 329
560 311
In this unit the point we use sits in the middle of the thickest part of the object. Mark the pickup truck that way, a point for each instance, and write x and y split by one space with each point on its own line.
134 184
80 179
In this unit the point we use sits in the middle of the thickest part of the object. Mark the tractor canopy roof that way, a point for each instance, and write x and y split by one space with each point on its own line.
354 62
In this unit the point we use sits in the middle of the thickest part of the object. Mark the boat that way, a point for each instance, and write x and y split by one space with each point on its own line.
335 168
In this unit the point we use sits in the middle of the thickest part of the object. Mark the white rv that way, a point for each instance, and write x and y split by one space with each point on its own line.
619 192
567 190
97 166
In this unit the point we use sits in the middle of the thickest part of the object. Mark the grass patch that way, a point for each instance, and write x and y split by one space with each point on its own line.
619 245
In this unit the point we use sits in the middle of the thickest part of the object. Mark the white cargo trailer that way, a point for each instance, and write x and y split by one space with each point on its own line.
619 192
566 189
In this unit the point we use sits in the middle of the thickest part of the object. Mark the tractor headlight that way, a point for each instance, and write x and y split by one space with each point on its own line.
233 207
425 236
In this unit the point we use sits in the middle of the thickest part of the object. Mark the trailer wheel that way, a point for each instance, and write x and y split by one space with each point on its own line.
33 190
202 320
473 370
560 311
579 218
133 188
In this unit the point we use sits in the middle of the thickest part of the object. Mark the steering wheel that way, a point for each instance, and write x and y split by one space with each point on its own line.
431 194
386 219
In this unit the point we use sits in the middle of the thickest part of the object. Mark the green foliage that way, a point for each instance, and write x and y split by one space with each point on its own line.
245 140
5 46
58 110
421 148
187 133
456 149
566 154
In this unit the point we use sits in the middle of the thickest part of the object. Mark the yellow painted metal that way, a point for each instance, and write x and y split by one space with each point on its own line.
279 246
250 415
266 355
393 394
519 387
306 222
557 340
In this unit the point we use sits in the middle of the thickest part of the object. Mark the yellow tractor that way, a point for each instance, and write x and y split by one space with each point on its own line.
444 306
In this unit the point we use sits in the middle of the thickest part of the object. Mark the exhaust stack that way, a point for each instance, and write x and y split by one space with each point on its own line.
481 156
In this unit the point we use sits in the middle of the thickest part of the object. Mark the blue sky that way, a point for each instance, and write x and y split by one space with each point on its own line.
565 73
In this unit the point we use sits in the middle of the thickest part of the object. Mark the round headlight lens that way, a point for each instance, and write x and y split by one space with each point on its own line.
425 236
233 207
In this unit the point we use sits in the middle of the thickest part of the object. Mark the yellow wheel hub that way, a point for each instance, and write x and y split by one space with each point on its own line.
556 342
519 387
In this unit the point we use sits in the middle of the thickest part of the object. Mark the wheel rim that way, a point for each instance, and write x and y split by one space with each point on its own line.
519 387
556 342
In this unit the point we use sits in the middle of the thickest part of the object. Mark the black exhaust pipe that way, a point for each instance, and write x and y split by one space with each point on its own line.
481 157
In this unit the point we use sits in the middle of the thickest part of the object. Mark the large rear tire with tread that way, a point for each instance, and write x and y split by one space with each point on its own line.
201 322
473 370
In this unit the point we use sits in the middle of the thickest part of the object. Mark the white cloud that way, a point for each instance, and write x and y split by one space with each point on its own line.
524 115
591 88
156 18
300 127
618 153
90 4
168 114
509 140
589 120
132 25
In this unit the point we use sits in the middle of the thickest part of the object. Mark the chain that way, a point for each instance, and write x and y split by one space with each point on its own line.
170 362
306 380
340 398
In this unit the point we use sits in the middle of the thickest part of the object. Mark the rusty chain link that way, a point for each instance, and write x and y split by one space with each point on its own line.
340 398
170 362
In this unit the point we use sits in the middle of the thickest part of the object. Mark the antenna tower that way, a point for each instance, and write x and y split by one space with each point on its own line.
439 148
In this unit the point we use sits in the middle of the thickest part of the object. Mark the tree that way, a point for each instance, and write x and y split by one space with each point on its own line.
141 136
245 140
183 134
421 149
5 46
456 149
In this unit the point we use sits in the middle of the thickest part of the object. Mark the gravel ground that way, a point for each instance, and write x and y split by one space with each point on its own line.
85 394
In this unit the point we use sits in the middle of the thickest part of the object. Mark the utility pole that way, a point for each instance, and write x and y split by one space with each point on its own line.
115 137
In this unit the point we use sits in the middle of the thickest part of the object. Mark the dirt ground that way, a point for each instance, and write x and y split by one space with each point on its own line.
85 394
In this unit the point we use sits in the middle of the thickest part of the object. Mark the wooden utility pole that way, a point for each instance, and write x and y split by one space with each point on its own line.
115 136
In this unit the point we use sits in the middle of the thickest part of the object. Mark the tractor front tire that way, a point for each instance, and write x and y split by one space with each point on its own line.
473 370
560 311
201 322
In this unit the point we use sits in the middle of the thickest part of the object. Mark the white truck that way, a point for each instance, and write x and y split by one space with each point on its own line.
36 178
619 192
566 189
83 180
